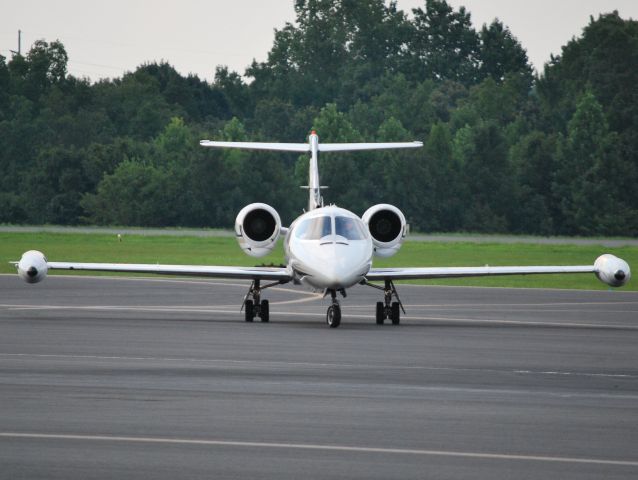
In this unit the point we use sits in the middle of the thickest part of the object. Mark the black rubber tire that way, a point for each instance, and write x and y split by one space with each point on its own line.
396 313
333 317
249 311
380 313
264 311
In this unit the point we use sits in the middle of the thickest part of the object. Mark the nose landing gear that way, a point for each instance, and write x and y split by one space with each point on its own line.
333 316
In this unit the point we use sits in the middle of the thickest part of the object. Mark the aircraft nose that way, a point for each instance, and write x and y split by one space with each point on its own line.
346 269
336 277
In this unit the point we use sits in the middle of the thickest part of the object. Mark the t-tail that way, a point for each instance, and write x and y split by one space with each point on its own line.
315 200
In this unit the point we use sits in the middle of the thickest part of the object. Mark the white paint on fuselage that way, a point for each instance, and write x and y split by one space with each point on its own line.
331 261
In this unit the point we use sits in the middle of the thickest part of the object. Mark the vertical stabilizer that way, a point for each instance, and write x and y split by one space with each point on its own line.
314 187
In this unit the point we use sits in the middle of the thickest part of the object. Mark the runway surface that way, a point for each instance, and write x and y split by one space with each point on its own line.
162 379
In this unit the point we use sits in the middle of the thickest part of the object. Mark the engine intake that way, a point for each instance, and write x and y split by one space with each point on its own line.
387 227
32 267
257 228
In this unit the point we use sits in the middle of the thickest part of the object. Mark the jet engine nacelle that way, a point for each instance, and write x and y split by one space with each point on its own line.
612 270
388 228
32 267
257 228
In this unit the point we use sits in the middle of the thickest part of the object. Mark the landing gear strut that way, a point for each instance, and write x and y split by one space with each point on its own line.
388 309
253 305
333 316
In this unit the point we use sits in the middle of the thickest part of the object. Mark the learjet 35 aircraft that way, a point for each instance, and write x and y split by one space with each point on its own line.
327 249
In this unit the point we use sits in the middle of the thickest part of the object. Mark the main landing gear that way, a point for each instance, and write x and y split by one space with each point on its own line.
254 306
388 309
333 316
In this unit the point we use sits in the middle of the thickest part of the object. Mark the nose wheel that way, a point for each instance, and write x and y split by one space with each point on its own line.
333 316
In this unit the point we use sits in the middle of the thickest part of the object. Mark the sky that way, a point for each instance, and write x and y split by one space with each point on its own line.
106 39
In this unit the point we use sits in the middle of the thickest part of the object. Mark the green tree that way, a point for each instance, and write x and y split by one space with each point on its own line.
534 162
482 155
194 96
44 66
176 142
134 105
51 188
444 45
332 52
100 159
502 55
11 208
591 178
603 60
446 189
5 80
574 181
559 157
19 141
136 194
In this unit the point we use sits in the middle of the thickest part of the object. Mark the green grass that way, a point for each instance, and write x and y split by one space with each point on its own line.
225 251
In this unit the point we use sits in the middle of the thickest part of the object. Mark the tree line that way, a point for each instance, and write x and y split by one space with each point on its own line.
505 149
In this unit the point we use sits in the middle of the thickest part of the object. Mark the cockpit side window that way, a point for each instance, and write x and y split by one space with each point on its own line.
349 228
314 228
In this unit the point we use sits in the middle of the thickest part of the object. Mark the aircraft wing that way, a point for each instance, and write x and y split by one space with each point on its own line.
248 273
376 274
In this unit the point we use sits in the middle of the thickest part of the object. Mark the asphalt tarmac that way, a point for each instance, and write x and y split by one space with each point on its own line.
162 379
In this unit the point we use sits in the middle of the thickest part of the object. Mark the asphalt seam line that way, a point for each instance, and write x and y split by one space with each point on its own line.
307 446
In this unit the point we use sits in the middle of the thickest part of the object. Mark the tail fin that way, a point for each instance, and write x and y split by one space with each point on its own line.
313 146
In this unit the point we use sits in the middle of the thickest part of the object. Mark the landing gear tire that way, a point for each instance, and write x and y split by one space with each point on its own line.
264 311
396 313
388 309
249 311
380 313
333 317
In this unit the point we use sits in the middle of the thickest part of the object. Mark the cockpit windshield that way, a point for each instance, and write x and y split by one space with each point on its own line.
314 228
349 228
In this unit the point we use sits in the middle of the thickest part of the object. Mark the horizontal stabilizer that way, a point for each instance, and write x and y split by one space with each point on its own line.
305 147
343 147
282 147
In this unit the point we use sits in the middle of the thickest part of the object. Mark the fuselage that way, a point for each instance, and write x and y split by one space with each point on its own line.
328 248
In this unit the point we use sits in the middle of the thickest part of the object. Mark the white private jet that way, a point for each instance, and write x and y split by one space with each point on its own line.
327 248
